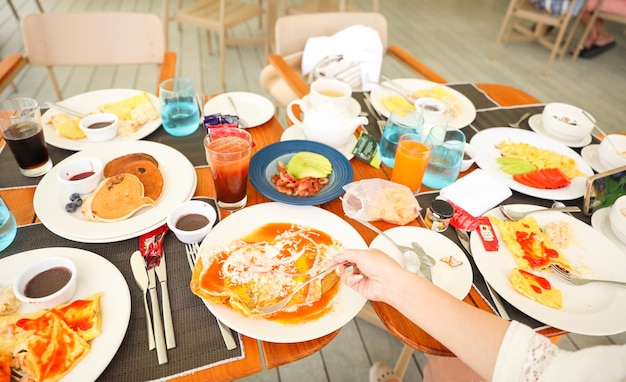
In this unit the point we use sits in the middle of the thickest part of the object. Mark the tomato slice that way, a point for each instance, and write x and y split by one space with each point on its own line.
545 178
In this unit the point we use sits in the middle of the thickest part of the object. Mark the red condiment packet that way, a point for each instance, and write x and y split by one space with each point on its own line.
462 219
487 234
151 246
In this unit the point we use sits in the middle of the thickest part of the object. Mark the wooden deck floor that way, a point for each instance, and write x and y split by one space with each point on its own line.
451 36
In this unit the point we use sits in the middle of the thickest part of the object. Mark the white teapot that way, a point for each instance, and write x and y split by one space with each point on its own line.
326 123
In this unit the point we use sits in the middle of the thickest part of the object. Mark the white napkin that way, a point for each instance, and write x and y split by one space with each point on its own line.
476 193
357 43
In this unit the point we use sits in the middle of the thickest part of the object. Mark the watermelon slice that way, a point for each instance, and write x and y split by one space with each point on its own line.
545 178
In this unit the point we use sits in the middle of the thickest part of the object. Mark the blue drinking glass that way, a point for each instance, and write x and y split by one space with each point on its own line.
179 109
446 156
8 227
401 121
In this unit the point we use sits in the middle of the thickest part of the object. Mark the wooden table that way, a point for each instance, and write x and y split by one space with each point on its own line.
20 201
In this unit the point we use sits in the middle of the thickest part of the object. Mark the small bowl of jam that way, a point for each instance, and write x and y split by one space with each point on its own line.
47 283
99 127
191 221
80 175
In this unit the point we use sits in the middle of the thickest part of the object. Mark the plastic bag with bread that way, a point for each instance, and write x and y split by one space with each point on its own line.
379 199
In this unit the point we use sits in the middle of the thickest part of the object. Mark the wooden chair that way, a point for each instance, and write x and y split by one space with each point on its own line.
317 6
96 38
282 77
10 67
597 13
218 16
14 10
516 27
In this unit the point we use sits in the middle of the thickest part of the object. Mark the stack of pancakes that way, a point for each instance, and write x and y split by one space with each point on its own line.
131 182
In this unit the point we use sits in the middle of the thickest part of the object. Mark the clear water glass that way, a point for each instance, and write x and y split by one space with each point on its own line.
8 226
179 108
446 157
401 121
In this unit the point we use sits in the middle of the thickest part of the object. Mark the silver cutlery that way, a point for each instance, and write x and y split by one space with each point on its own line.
409 97
138 267
522 118
192 256
465 241
380 121
578 280
159 337
282 303
517 215
424 257
65 109
407 92
161 273
600 130
410 258
242 122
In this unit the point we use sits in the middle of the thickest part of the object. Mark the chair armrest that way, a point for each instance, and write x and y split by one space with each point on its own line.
295 82
168 68
10 67
415 64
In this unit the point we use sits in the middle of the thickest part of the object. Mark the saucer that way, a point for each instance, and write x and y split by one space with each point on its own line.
536 125
354 107
294 132
600 222
590 155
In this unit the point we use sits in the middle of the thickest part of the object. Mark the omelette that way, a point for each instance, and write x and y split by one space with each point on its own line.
536 288
541 158
265 266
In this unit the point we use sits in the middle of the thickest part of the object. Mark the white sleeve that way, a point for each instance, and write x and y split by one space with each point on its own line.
525 355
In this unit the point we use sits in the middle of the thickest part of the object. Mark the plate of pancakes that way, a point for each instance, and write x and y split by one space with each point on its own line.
157 178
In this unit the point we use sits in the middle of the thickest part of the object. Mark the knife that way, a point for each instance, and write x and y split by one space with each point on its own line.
464 239
424 268
379 120
161 272
141 278
156 318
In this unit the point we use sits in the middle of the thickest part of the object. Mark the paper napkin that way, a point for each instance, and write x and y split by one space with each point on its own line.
476 193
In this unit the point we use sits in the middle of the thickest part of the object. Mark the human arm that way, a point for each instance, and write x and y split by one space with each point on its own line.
473 335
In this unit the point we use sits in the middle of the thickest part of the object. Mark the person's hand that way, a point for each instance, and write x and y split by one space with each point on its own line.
371 274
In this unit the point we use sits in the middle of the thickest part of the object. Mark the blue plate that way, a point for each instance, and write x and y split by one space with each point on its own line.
264 164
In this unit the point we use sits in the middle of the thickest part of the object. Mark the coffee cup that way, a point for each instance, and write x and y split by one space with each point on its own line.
334 93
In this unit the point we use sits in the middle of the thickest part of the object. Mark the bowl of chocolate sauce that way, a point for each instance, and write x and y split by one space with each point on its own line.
191 221
99 127
47 283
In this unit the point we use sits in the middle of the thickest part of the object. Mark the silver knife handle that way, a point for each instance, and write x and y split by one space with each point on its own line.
498 303
158 328
227 335
151 344
167 317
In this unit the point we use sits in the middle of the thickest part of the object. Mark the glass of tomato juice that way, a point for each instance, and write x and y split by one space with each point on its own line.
412 155
228 153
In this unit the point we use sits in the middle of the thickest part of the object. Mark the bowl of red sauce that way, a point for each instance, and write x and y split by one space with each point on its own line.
80 175
191 221
46 283
99 127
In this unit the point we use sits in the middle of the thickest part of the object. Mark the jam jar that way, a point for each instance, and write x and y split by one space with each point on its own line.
438 215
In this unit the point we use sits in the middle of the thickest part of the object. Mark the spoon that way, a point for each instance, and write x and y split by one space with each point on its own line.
601 131
65 109
517 215
425 258
242 122
138 267
516 124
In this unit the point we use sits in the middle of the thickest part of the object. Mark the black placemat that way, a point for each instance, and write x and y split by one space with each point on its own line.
199 342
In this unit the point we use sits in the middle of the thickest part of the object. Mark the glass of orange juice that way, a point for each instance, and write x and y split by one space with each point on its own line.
412 155
228 153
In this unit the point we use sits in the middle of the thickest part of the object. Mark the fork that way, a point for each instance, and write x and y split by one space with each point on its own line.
192 257
264 311
577 280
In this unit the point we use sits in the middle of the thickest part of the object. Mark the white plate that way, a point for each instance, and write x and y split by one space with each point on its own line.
179 184
89 102
95 274
593 309
591 155
296 133
485 144
346 304
455 280
600 221
253 108
379 92
536 125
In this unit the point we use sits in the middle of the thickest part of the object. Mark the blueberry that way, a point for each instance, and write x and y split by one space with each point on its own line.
71 207
78 202
74 197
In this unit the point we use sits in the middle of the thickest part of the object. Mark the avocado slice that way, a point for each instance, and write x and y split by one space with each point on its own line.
307 164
